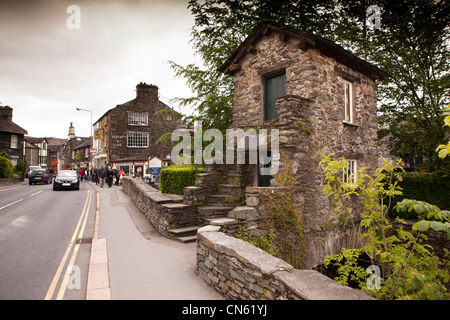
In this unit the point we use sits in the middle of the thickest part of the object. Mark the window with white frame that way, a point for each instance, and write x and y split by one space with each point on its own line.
352 171
137 140
14 141
348 101
137 118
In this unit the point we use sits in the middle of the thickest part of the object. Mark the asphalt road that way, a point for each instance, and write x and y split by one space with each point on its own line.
45 241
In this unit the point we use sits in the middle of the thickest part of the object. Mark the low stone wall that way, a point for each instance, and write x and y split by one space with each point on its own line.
11 181
239 270
165 211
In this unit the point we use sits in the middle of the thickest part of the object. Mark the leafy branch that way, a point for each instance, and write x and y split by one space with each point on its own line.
410 269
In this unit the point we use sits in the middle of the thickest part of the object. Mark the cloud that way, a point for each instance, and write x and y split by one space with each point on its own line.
48 70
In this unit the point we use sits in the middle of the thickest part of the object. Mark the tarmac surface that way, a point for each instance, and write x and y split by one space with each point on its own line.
131 260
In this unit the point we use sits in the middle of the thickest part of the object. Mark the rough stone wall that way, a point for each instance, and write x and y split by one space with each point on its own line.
238 270
146 101
310 119
5 145
315 83
164 211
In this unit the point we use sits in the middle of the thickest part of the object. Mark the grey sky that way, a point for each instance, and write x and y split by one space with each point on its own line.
47 70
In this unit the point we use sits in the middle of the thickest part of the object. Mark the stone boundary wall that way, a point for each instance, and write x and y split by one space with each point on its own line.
164 211
11 181
239 270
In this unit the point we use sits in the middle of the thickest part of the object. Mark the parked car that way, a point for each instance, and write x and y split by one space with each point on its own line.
31 168
66 179
40 176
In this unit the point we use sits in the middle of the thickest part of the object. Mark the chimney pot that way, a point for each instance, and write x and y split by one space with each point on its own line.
6 112
144 90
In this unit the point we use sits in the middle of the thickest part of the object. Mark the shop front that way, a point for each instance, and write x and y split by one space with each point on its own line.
131 167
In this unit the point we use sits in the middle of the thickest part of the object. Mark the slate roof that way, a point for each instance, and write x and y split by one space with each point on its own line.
323 45
9 126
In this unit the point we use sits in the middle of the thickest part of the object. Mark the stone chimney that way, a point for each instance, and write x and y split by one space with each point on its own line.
6 113
148 91
71 131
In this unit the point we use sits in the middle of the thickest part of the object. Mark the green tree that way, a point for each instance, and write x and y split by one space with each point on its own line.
410 269
220 27
444 149
412 45
414 49
20 168
6 167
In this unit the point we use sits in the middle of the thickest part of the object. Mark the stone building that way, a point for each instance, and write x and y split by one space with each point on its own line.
74 153
322 99
43 152
11 135
126 135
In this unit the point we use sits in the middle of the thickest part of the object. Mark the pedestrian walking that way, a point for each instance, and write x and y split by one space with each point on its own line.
116 176
109 176
120 175
102 176
81 174
96 172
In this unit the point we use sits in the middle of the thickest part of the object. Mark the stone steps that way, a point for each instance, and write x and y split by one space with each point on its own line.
234 179
187 234
221 200
226 199
211 210
208 213
229 189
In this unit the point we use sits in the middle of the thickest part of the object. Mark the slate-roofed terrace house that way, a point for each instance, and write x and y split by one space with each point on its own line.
43 151
322 98
129 131
74 153
11 135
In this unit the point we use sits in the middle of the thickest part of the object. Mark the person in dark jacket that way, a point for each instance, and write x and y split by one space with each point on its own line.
102 176
109 176
96 171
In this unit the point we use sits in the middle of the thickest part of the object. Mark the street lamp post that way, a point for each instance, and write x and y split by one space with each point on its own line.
92 137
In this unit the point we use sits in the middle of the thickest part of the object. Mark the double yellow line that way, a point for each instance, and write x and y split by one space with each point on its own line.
78 233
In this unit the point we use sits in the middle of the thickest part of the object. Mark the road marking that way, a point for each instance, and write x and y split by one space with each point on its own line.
9 188
79 229
32 195
10 204
63 287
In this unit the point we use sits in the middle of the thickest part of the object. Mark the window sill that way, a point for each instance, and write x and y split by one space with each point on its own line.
351 124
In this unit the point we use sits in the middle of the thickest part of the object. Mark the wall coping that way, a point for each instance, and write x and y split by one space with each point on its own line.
304 284
164 211
243 251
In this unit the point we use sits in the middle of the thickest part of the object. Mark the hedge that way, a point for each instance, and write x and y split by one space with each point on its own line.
6 168
174 178
433 188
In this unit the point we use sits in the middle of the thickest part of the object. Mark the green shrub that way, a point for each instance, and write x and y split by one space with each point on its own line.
21 167
407 268
175 178
6 168
429 187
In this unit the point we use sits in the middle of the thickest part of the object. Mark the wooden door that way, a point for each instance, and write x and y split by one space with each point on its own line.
274 87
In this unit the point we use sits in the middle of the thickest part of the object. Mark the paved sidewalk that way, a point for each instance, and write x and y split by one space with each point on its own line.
139 263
